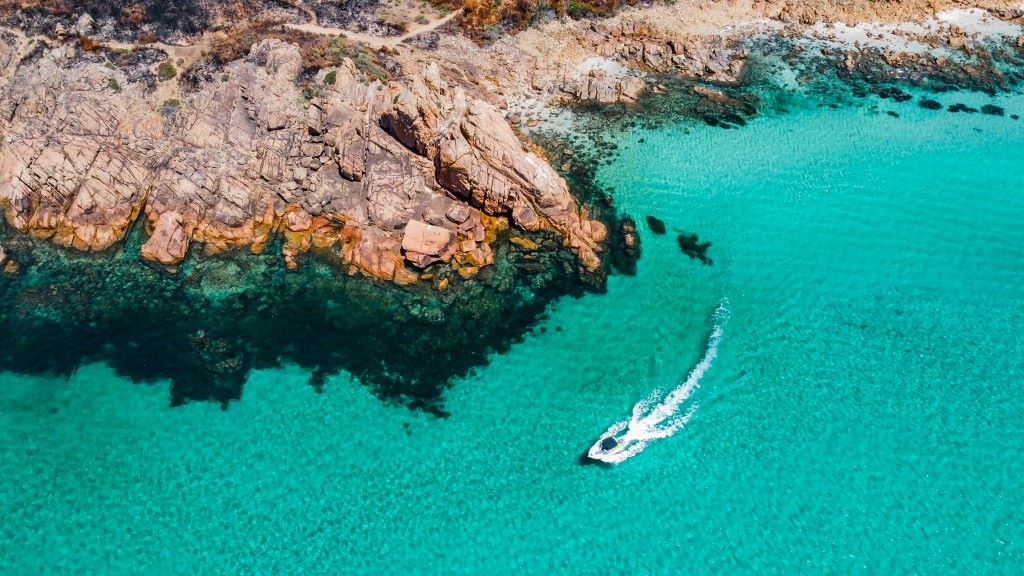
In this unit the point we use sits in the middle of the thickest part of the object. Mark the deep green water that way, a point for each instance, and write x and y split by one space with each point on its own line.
864 414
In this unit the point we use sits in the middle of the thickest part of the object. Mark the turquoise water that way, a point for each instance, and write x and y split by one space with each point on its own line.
863 414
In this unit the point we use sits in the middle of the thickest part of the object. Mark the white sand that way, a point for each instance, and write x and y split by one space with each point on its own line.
978 22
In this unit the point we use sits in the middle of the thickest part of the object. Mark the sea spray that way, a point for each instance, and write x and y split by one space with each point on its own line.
657 416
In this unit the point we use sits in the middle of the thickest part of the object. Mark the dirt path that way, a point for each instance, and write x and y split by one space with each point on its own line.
310 13
185 55
372 40
182 56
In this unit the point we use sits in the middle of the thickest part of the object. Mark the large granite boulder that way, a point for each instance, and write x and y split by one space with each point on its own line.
425 244
169 242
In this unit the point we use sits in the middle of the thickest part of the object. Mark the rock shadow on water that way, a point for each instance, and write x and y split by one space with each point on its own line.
205 332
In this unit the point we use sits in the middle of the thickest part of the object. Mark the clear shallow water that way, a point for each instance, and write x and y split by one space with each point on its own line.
863 414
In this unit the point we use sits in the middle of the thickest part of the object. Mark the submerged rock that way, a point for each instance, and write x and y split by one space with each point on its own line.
656 225
691 245
962 108
734 119
929 104
892 92
992 110
7 265
626 248
931 70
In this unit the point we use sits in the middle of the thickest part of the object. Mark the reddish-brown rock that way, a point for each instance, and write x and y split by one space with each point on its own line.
169 240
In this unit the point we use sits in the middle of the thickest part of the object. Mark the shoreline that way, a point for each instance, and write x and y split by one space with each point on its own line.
609 61
415 198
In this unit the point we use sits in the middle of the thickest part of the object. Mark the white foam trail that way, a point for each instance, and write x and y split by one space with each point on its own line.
653 420
640 408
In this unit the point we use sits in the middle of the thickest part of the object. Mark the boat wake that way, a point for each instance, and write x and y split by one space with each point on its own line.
659 416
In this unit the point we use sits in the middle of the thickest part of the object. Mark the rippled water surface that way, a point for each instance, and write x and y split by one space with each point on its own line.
863 415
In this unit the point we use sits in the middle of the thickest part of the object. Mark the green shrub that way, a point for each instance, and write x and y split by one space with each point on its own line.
579 9
170 107
165 71
331 77
114 85
494 32
308 94
337 51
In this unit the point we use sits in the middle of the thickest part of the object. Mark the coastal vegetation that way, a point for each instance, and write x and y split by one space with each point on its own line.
165 71
511 15
317 51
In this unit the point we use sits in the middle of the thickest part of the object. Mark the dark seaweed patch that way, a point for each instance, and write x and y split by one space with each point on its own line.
928 104
206 328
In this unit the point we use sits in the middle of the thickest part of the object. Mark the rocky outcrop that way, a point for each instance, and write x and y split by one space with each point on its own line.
712 57
169 242
425 244
607 62
388 177
74 160
599 86
973 69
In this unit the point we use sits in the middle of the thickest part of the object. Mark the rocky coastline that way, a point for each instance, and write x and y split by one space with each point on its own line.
399 166
408 157
392 177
